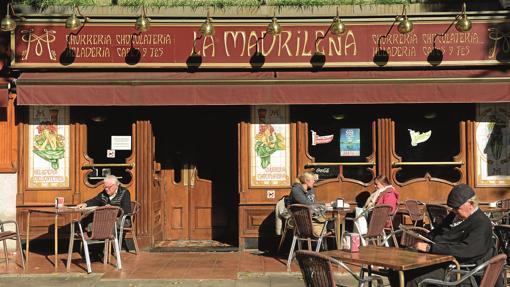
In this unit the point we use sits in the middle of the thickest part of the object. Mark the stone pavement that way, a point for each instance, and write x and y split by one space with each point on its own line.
277 279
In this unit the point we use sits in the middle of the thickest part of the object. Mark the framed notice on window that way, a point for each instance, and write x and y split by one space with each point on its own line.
48 147
492 129
270 146
349 142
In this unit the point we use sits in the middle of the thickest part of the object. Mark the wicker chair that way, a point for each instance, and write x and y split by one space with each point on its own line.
407 240
317 270
13 235
380 214
436 213
303 229
135 208
103 229
492 272
415 212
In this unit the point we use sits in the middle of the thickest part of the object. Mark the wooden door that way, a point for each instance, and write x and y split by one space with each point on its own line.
188 212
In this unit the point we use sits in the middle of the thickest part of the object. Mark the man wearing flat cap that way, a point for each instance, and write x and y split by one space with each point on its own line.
466 234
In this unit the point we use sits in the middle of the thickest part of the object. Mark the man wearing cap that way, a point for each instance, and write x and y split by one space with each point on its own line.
466 234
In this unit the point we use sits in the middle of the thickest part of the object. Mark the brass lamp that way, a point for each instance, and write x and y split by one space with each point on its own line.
405 25
73 22
336 28
8 24
207 28
274 28
461 22
143 22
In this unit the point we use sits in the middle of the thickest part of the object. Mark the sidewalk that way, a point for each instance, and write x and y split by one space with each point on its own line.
250 269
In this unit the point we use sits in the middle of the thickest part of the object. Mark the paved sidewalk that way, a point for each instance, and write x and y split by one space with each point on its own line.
95 280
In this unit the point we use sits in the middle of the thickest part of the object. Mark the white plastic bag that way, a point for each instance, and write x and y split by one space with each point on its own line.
360 224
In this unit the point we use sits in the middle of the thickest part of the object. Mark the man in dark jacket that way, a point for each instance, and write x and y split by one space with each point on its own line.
465 234
113 194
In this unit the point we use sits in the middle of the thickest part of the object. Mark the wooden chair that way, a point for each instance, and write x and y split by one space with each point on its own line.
303 230
317 270
492 272
436 213
129 228
103 230
11 235
414 210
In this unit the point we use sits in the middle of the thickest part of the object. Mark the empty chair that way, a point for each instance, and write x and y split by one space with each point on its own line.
379 215
303 229
103 230
12 235
436 213
317 270
414 210
130 219
492 272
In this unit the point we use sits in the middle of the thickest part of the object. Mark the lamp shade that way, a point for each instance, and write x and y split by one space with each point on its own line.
337 27
207 28
73 22
8 24
142 23
274 27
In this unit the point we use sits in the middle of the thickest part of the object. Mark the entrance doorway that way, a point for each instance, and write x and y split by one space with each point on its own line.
197 149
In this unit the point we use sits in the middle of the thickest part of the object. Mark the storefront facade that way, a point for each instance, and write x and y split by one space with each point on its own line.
208 141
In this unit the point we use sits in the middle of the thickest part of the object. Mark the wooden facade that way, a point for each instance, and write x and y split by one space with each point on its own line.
190 167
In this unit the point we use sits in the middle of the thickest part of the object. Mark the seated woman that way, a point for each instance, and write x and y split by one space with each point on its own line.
384 194
303 193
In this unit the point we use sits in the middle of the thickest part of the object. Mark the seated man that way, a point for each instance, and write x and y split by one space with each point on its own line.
465 234
113 194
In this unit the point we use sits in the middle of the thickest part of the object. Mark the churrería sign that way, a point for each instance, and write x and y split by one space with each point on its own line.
247 45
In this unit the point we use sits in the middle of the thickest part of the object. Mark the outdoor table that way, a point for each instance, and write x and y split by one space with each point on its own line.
391 257
56 212
339 214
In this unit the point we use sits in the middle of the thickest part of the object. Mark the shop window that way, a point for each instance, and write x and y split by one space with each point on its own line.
338 134
429 134
102 124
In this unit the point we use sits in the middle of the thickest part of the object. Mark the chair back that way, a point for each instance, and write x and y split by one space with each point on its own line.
437 214
407 240
502 232
103 222
302 217
413 207
378 218
504 203
493 270
315 268
135 207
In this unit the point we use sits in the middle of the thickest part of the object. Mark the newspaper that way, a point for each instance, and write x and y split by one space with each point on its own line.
415 234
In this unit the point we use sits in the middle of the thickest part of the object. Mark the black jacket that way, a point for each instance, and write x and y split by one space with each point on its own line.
121 199
469 242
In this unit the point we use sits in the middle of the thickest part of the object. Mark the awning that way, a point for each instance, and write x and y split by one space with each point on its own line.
4 92
266 87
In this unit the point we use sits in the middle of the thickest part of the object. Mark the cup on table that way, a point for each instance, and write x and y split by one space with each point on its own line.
59 202
493 204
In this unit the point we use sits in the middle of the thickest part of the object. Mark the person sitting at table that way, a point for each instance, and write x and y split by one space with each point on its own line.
302 192
112 194
385 193
465 234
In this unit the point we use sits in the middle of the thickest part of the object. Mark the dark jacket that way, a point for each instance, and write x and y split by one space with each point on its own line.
469 242
121 199
299 196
